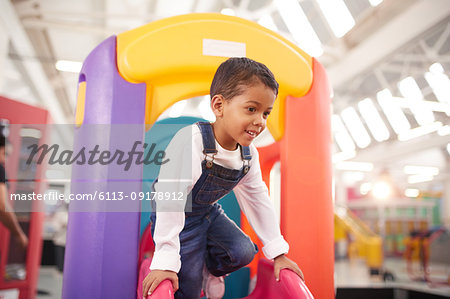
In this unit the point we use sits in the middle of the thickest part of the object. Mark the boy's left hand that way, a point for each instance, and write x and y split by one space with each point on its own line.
282 262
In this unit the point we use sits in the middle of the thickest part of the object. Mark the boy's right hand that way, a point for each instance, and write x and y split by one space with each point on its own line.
155 277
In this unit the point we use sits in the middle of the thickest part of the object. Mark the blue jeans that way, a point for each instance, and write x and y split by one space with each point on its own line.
215 240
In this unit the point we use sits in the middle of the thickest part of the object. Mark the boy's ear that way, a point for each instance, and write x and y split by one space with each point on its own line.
217 103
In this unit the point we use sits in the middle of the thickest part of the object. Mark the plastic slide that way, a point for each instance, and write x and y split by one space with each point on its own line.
289 286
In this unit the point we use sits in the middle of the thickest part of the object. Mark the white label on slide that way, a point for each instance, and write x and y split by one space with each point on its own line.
223 48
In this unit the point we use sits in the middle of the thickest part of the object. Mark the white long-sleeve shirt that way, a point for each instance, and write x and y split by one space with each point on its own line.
251 193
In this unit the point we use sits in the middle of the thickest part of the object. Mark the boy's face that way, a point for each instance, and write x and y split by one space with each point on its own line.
244 116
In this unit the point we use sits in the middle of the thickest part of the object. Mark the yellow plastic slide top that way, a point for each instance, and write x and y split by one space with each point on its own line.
178 56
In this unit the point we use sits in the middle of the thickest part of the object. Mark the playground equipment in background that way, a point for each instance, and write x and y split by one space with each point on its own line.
290 286
19 269
366 243
125 80
424 247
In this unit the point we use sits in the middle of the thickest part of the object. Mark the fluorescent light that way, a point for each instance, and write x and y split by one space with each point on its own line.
412 192
355 126
299 26
425 170
68 66
338 16
373 120
448 148
419 178
419 131
375 2
356 166
410 90
431 105
439 82
381 190
393 113
177 108
365 188
268 22
342 156
341 135
444 131
228 12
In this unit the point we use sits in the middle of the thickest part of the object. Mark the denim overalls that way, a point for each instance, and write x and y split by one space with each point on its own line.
209 236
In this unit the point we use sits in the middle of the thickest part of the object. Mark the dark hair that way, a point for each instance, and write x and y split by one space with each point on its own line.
237 72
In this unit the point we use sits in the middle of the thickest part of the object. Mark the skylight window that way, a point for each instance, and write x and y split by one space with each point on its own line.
68 66
356 127
299 26
410 90
439 82
338 16
341 135
373 120
375 2
268 22
394 114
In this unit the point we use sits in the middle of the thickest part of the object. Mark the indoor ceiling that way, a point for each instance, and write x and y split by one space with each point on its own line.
390 47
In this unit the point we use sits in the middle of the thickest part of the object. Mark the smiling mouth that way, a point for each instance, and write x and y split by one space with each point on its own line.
253 134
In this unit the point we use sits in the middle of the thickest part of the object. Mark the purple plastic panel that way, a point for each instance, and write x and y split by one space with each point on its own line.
102 247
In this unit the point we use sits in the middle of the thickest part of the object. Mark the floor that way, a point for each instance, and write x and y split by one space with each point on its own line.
354 274
348 274
50 283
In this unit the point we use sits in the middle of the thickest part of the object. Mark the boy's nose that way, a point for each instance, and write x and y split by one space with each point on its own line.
259 121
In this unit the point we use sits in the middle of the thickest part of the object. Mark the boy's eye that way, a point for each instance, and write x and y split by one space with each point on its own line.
266 114
251 109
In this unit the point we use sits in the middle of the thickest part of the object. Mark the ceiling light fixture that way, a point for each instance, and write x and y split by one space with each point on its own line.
341 135
68 66
299 26
410 90
373 120
355 127
228 12
337 15
268 22
393 112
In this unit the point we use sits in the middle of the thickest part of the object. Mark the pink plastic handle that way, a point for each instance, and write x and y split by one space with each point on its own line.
289 286
164 289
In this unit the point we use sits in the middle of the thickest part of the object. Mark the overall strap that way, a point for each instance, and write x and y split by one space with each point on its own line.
209 142
245 153
246 157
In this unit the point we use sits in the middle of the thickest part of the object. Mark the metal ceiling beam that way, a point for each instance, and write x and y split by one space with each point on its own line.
413 22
